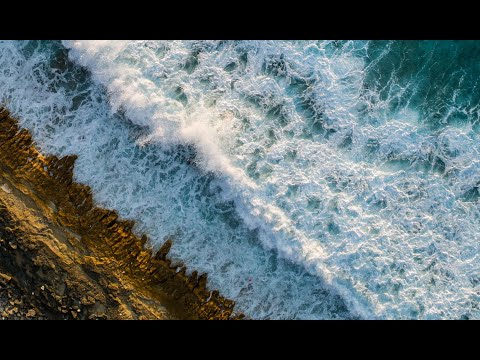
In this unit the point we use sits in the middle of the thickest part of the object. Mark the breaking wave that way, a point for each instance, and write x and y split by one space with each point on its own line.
319 179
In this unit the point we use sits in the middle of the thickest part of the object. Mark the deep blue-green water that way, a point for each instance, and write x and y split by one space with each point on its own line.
319 179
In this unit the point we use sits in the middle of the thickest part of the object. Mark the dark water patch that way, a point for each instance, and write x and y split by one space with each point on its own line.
433 77
471 195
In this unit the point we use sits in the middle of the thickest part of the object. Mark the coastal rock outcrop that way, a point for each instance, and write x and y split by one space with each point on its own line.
78 260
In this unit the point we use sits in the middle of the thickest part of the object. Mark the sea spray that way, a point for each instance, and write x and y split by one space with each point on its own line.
292 172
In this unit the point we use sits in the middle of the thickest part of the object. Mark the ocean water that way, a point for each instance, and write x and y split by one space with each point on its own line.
309 179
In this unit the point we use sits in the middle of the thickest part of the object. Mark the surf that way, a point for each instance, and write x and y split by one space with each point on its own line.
303 183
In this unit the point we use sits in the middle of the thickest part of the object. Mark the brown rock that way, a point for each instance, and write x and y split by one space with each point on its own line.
85 253
5 278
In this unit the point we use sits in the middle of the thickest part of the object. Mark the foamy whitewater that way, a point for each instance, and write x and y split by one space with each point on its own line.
310 180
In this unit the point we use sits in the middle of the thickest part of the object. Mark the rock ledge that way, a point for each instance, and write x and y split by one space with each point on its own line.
73 260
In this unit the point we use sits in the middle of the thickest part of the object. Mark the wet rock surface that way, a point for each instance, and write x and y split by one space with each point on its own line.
64 258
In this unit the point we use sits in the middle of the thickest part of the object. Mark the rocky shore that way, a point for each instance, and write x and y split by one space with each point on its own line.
14 304
62 257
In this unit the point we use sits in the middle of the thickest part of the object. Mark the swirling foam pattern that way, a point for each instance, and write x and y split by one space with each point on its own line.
327 179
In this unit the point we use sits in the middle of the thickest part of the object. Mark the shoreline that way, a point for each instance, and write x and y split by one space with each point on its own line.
78 260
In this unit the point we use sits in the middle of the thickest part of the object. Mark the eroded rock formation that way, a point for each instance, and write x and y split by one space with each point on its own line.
78 260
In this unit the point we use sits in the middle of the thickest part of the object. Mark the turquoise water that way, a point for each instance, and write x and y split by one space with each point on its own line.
329 179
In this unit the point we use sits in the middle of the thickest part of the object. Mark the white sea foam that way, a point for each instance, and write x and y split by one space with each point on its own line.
378 208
